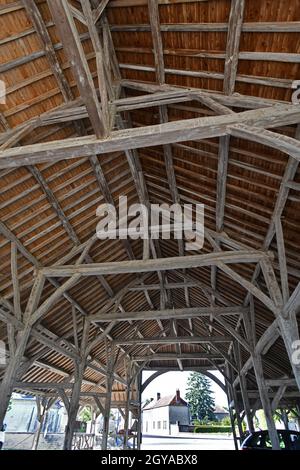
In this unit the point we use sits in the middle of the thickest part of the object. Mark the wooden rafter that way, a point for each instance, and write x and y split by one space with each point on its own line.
65 24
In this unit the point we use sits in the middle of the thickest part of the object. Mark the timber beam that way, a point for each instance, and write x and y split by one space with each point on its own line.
175 340
171 132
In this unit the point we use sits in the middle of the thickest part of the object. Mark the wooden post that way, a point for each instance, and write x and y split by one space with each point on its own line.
243 385
73 406
285 418
109 385
43 406
128 397
236 404
235 440
79 365
139 422
263 393
15 360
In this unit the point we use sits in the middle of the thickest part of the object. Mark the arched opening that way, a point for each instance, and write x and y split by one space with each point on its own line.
158 410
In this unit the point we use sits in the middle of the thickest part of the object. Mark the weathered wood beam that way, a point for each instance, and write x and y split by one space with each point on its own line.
249 27
280 142
15 280
42 32
54 203
177 131
222 181
233 44
288 382
175 356
65 24
166 314
157 41
175 340
99 10
170 285
251 79
159 264
42 385
263 393
134 3
195 53
102 79
77 14
239 101
9 377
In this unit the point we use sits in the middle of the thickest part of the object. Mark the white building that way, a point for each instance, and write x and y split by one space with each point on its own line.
160 415
22 416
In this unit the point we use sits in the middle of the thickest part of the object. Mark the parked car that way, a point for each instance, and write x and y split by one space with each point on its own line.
260 440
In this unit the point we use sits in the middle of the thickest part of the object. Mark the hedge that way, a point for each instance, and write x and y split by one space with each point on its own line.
210 428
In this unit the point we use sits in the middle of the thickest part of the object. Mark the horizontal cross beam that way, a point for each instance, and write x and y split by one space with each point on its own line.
167 133
174 357
166 314
175 340
158 264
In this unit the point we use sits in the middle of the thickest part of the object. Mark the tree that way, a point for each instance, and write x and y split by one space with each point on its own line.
86 414
199 397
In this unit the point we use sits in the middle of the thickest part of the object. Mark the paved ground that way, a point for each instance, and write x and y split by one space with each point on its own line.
188 442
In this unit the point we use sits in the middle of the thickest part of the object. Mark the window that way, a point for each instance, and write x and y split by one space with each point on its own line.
146 426
295 441
153 425
165 425
158 424
268 443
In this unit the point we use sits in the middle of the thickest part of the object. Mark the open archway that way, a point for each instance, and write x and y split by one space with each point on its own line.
161 372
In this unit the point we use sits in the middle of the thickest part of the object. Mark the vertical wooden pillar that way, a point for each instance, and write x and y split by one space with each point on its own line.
79 365
243 386
74 406
10 375
263 393
285 418
290 334
139 422
109 385
236 445
236 404
127 406
15 360
43 406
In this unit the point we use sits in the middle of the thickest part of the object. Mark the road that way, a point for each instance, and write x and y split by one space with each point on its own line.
188 442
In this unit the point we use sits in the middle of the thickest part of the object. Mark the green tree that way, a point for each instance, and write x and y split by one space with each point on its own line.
86 414
200 397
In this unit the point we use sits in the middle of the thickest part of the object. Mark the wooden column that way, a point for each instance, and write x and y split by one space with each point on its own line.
235 440
109 385
290 334
74 406
79 366
263 393
285 418
127 407
11 372
236 404
43 407
139 423
243 385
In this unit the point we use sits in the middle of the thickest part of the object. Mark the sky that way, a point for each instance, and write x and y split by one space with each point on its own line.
167 384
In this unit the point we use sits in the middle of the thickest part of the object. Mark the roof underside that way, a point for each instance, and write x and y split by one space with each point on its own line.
194 57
